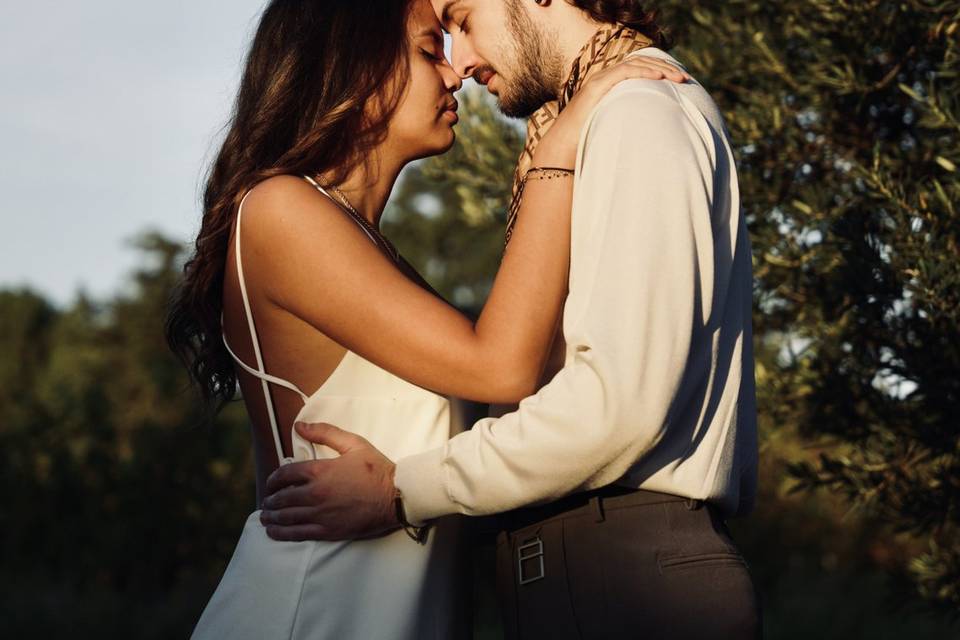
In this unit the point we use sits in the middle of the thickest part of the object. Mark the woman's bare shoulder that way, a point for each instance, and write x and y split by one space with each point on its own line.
284 196
283 212
299 241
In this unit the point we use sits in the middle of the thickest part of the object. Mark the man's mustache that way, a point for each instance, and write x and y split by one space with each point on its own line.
480 74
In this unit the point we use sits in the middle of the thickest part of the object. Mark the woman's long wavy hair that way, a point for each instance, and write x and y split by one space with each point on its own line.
631 13
313 70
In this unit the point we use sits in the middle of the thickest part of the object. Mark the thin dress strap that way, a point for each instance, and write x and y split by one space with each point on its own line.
260 372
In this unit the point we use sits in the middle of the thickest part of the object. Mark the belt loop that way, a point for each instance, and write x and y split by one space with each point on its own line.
693 503
597 502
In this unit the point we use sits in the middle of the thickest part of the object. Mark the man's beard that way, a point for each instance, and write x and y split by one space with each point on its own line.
536 74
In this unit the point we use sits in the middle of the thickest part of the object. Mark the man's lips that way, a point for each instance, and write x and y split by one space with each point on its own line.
483 75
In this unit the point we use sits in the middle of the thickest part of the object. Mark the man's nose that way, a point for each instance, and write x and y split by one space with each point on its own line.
463 57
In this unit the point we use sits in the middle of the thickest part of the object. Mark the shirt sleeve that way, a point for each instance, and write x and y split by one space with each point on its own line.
640 246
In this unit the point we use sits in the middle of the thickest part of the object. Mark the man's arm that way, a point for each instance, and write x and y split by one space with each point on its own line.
641 281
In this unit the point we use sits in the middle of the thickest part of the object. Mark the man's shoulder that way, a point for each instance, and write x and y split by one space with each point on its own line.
638 107
686 94
640 94
647 107
655 52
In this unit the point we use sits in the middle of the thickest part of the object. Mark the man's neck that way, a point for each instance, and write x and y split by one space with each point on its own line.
574 34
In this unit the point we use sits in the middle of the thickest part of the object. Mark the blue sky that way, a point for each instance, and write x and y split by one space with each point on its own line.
109 114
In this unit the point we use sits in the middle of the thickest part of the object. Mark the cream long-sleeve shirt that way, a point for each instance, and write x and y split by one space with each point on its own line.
657 387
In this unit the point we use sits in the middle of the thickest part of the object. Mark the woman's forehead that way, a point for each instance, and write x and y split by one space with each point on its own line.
422 16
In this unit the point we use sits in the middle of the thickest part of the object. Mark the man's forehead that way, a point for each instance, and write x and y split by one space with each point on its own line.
443 8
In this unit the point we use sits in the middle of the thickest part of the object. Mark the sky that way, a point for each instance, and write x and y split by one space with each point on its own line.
110 112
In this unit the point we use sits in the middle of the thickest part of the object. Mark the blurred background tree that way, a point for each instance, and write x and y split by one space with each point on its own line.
120 503
845 114
123 505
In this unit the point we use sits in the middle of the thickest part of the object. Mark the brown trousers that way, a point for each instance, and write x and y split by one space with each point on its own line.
639 565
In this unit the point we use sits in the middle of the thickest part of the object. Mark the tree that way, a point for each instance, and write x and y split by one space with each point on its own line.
846 117
124 502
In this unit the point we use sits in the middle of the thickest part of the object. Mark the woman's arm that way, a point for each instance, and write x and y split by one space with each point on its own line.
311 260
317 264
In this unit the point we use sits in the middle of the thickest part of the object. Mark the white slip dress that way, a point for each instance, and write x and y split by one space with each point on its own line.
386 588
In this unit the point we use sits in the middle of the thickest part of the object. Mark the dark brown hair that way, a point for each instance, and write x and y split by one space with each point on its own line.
312 68
630 13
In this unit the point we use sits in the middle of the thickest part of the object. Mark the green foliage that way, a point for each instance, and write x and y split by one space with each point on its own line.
116 492
846 118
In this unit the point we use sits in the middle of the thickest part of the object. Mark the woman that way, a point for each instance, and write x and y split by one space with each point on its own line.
336 98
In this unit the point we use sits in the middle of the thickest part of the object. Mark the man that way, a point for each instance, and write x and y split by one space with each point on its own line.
614 480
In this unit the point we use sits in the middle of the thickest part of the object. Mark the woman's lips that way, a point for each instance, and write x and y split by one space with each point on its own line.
450 111
450 116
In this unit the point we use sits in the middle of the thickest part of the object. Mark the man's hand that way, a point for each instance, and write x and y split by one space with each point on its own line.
343 498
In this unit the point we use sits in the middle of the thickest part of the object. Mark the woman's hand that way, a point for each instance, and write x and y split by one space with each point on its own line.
559 147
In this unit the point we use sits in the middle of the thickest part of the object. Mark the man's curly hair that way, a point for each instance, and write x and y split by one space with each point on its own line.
631 13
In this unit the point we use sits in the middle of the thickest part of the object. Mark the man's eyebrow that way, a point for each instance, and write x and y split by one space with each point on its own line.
445 12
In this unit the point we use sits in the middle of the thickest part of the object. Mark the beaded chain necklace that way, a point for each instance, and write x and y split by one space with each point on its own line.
344 203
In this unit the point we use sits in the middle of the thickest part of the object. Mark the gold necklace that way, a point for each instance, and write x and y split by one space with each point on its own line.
375 233
346 202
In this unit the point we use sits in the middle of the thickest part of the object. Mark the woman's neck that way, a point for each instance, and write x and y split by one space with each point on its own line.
368 187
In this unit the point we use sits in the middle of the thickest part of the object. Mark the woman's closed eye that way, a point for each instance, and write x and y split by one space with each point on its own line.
431 56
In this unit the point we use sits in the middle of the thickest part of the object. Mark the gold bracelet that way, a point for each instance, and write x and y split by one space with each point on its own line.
547 173
417 534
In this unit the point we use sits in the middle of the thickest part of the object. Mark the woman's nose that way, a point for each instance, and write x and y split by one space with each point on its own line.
451 80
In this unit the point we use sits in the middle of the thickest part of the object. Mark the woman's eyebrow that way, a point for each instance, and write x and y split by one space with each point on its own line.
433 34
